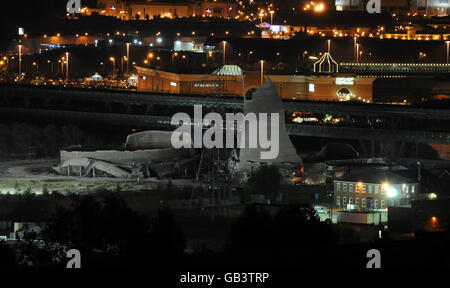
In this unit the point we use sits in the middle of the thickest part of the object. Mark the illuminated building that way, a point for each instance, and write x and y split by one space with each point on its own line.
372 189
149 10
422 7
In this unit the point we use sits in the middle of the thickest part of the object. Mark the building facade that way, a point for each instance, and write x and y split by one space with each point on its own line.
344 87
372 189
149 10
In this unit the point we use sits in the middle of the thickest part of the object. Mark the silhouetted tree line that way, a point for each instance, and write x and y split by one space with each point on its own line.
293 237
28 207
265 181
120 236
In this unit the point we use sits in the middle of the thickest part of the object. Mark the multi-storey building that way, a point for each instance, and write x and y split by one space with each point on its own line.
367 189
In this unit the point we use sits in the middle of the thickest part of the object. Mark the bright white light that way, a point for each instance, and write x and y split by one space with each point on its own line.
311 87
159 40
391 192
345 80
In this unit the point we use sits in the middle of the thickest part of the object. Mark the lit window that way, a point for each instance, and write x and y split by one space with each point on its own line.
350 188
370 189
363 202
344 187
338 201
376 189
338 187
311 87
357 188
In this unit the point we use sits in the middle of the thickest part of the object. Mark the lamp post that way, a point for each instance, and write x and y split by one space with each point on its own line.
224 51
173 56
448 43
271 16
329 45
354 49
124 58
67 67
262 72
113 60
357 53
62 64
37 66
20 60
128 57
208 55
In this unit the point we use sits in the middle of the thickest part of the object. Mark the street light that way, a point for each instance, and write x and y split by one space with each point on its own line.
67 67
124 58
20 60
262 72
271 16
391 192
448 43
173 56
224 51
5 60
113 60
357 53
128 57
303 55
37 66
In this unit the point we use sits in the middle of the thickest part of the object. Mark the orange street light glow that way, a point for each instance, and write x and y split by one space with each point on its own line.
319 8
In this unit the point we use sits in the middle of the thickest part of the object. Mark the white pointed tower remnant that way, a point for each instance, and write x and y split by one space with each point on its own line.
266 100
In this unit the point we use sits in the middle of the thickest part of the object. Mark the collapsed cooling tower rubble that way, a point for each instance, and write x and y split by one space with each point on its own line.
146 154
86 167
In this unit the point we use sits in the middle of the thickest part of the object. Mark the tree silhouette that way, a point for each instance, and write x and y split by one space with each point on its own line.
249 235
117 231
167 240
294 237
266 181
